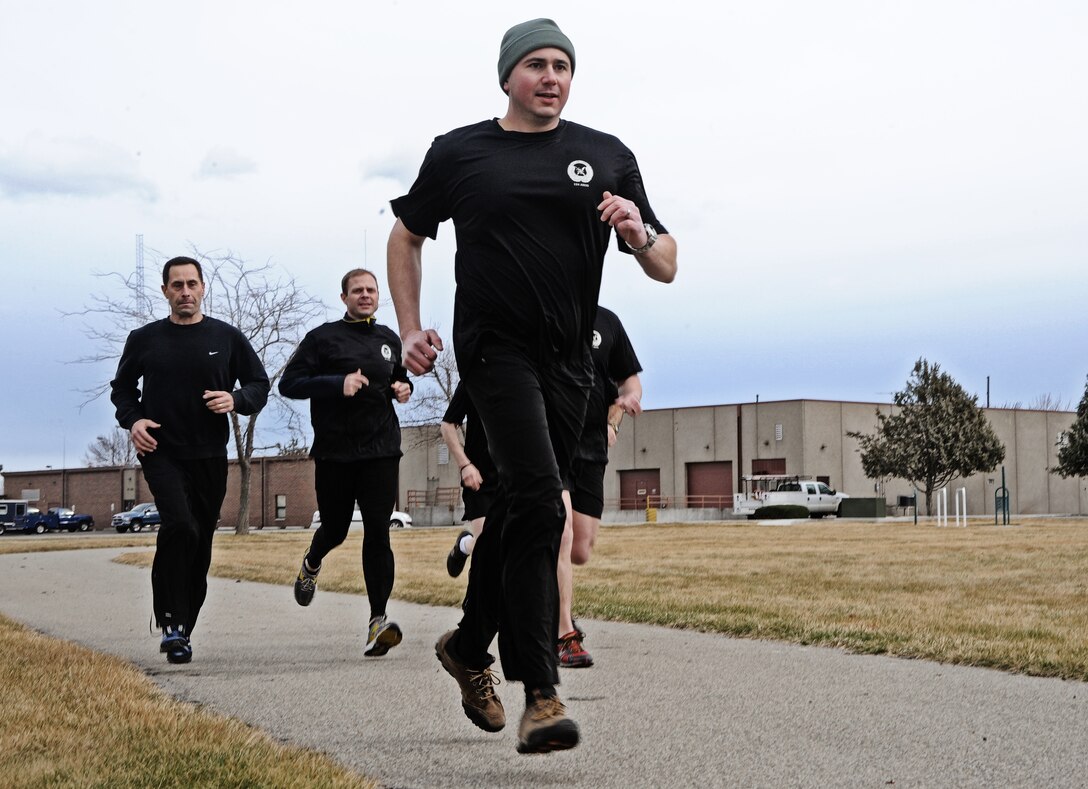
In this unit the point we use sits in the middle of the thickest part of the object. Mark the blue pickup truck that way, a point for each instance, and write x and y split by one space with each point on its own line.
19 515
140 517
70 520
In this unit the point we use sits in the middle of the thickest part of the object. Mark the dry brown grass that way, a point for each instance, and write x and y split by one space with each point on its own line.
1008 598
73 717
39 544
1011 598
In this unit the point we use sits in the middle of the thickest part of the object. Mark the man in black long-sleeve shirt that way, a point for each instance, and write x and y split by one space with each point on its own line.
351 372
189 364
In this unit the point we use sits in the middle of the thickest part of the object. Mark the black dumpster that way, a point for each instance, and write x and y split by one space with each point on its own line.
863 508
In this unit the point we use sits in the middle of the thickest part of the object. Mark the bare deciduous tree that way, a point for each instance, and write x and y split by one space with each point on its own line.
1043 402
432 393
269 308
112 449
430 398
294 447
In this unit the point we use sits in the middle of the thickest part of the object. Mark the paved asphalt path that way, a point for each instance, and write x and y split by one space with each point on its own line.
662 708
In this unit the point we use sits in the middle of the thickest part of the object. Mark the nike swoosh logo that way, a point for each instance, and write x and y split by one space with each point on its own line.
212 353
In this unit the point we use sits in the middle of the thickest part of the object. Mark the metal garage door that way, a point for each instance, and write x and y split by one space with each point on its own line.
638 485
710 484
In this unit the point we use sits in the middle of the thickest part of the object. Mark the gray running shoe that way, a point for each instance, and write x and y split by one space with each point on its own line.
382 636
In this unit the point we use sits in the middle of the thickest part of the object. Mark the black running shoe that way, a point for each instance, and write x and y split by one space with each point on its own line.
176 644
305 584
455 560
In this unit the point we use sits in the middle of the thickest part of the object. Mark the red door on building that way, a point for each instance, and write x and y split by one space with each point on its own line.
638 485
710 484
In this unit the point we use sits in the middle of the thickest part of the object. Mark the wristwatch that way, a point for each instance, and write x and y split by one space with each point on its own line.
651 239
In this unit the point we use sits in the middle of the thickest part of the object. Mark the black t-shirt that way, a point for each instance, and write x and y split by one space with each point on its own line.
461 410
530 241
178 363
363 427
614 360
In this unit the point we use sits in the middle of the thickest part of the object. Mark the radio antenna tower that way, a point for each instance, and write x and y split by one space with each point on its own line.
140 263
141 294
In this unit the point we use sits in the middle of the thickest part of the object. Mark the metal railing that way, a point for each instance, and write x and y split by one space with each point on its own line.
666 502
451 498
439 497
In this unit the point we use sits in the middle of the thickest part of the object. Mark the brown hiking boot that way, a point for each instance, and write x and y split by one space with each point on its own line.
545 726
478 697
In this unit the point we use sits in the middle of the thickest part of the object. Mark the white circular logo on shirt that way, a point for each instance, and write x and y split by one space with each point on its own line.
580 172
596 339
387 353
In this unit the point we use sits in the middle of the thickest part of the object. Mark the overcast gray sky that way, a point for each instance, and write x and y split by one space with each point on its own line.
853 184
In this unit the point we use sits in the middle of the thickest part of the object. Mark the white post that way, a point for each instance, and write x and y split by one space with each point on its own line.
942 507
961 493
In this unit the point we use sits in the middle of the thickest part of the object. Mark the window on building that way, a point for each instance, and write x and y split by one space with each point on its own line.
281 506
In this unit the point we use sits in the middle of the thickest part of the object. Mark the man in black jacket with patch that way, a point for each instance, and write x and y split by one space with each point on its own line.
189 364
351 372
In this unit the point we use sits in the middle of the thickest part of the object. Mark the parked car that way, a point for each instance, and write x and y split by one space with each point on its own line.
69 519
397 519
140 517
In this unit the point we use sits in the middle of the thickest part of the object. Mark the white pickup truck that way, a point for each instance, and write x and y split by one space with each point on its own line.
764 490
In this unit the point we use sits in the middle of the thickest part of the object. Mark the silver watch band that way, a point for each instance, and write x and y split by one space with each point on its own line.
651 239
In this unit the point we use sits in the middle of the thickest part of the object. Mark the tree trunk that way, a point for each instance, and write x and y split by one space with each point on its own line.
245 477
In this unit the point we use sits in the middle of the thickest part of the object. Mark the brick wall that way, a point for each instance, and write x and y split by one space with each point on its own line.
95 491
290 477
98 491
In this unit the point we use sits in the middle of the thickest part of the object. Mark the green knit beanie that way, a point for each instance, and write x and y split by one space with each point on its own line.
527 37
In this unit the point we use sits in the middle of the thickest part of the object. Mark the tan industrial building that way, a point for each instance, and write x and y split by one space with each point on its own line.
693 458
685 462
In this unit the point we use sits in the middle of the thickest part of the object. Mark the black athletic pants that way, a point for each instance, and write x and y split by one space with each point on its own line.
189 495
373 484
533 417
